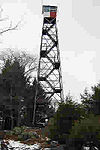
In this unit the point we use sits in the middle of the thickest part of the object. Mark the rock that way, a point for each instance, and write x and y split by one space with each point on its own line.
19 146
54 143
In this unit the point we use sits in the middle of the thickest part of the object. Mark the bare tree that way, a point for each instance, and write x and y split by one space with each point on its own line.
9 26
28 61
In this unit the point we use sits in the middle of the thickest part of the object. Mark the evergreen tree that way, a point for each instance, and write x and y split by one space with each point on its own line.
91 101
14 79
16 85
12 90
86 133
68 113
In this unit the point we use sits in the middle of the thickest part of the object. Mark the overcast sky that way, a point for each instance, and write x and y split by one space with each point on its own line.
78 24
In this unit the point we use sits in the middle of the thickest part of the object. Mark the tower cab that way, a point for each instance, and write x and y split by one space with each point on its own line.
49 11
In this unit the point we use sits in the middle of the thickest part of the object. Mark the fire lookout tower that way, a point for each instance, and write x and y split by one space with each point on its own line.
49 69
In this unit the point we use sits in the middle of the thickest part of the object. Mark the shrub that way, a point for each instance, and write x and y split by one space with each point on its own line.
33 134
10 133
23 128
17 130
60 125
86 130
25 135
20 137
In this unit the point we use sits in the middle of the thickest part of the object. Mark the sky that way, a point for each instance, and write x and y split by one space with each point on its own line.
78 32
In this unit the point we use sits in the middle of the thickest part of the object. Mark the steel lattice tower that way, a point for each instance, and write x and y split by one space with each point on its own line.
49 70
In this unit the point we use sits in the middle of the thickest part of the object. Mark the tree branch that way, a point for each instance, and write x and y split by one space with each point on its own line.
30 70
10 28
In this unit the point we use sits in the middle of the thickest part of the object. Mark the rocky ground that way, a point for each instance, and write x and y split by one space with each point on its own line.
16 145
10 142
